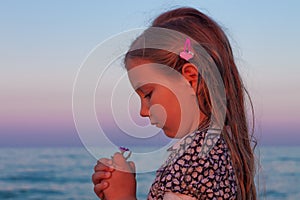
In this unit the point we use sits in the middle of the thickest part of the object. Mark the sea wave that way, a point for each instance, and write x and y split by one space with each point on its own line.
65 173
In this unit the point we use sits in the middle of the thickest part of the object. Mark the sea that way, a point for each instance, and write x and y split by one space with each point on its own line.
65 174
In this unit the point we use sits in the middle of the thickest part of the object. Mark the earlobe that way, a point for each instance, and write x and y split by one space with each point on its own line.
190 73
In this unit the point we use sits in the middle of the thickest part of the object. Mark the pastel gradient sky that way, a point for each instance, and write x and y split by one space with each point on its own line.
43 44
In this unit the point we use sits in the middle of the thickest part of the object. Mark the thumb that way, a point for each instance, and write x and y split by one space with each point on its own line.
120 163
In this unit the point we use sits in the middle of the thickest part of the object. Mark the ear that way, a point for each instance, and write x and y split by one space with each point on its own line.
190 73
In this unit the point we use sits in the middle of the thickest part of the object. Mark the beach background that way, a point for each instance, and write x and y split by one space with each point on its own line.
43 44
65 173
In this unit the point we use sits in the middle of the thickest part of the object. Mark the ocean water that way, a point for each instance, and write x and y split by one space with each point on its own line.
65 173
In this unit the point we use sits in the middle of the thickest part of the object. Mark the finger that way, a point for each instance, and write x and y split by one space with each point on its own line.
119 159
132 166
101 195
104 166
105 161
120 163
98 189
99 176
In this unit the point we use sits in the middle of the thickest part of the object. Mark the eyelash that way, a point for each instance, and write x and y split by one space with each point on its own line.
148 95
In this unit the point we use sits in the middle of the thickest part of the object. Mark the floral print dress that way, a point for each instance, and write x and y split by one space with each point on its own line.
199 166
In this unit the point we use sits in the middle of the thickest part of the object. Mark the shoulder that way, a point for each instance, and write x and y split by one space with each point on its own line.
200 168
203 170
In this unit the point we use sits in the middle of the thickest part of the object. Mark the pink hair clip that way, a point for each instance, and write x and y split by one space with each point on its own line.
187 54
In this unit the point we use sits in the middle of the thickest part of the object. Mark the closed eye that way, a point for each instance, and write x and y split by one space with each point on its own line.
148 95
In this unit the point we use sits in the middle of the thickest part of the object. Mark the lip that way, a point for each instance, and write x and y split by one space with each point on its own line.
153 122
156 124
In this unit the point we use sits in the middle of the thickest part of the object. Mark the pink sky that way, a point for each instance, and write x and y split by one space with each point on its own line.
40 55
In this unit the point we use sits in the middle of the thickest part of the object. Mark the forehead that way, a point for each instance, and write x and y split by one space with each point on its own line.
142 72
131 63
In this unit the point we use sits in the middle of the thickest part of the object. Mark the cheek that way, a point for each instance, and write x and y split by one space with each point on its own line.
174 111
158 113
168 109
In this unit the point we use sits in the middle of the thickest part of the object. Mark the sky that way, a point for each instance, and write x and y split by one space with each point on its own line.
44 43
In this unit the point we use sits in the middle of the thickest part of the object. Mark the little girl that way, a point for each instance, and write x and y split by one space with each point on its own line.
204 107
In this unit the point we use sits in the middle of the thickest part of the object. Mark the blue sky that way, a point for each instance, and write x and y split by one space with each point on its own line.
43 44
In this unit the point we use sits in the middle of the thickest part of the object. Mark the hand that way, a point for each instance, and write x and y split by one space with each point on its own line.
103 171
115 179
122 183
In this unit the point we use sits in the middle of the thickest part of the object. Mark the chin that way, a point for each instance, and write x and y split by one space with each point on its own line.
168 133
173 134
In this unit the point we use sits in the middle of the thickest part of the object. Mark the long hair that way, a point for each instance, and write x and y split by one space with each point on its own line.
211 37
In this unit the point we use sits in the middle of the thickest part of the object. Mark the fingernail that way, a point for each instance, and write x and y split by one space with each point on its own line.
107 173
105 183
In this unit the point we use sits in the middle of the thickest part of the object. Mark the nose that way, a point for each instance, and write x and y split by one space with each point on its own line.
144 112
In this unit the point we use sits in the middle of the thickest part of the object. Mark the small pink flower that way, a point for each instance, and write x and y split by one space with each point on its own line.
123 149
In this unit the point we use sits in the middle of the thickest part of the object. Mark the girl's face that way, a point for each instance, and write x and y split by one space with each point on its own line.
168 101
